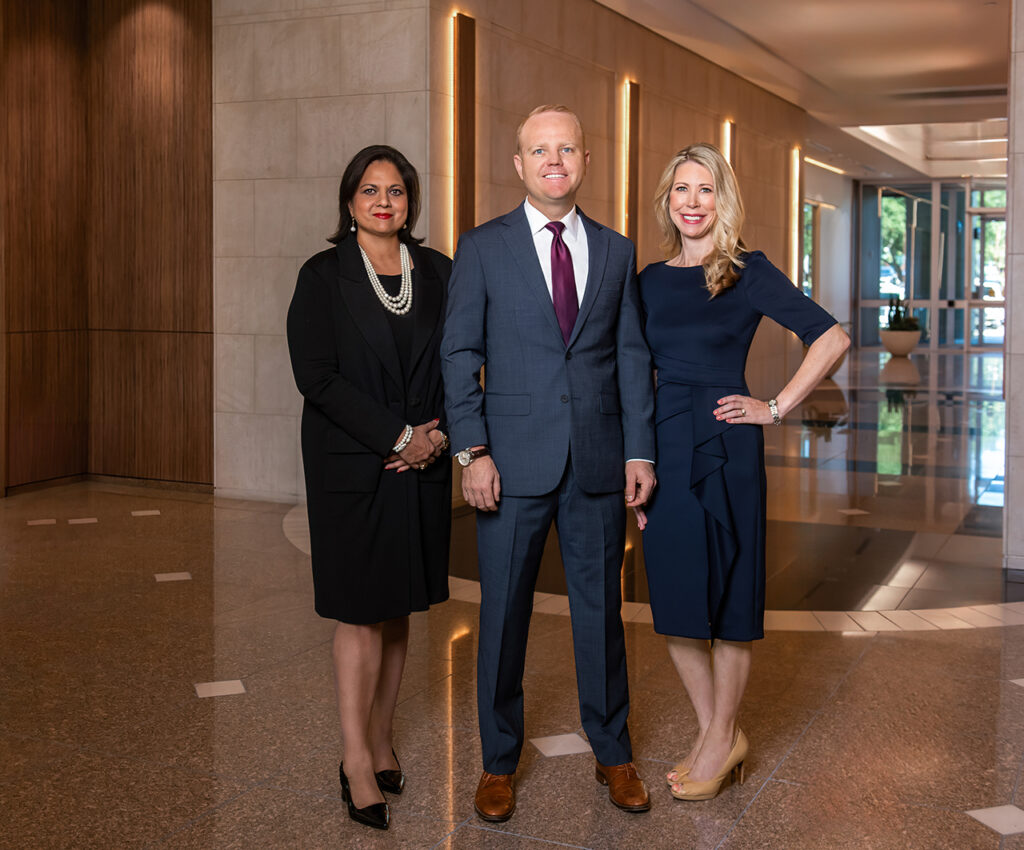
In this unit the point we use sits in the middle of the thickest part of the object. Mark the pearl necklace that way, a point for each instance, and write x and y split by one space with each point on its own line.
398 304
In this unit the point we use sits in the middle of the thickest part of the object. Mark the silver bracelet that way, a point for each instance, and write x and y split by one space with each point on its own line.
404 440
773 408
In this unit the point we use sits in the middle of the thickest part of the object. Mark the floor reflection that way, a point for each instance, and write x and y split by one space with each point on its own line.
885 492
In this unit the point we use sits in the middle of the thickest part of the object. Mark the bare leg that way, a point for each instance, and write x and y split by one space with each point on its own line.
395 644
357 666
731 667
692 659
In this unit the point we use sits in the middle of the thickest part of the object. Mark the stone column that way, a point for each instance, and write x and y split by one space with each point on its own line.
1013 531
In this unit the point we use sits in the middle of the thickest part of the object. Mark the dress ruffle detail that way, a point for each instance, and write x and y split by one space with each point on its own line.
681 386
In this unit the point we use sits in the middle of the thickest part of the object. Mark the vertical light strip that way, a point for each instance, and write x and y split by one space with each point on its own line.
794 215
727 127
631 159
624 172
451 136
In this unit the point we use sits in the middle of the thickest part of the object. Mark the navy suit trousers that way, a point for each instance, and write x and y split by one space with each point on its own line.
510 542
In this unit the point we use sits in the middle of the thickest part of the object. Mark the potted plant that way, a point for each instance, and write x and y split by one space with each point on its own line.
903 332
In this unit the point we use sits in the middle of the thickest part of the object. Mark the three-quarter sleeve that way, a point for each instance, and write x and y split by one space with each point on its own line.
772 294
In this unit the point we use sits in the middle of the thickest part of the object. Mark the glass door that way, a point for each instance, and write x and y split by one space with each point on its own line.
895 255
988 268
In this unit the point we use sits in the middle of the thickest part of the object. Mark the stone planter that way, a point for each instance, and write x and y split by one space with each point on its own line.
900 343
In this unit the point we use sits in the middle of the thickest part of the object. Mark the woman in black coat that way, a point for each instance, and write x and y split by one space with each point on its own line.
364 331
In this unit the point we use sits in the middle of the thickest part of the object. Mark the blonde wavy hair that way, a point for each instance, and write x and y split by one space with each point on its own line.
723 264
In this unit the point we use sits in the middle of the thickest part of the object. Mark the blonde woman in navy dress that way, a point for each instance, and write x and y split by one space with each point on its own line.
704 537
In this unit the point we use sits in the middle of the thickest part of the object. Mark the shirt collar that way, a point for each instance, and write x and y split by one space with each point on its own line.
537 220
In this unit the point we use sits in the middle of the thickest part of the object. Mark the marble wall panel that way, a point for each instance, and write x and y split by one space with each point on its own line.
255 455
383 51
251 294
274 385
293 218
226 8
332 129
1013 539
1013 532
502 148
1014 392
299 58
544 22
233 218
359 5
234 63
439 51
405 117
1015 307
254 140
1017 115
233 373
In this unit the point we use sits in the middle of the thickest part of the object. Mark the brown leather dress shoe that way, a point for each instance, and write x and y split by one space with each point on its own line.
495 797
625 787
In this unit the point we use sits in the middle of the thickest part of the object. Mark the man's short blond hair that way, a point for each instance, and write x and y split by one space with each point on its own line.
550 107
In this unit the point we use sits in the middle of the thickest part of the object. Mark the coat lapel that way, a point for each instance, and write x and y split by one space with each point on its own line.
597 250
426 305
520 242
366 308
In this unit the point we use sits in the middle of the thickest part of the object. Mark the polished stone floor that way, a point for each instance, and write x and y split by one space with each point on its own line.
166 684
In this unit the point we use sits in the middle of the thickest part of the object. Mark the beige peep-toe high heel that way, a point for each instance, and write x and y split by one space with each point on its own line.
692 790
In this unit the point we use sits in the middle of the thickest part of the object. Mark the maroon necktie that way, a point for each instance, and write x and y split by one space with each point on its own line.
563 281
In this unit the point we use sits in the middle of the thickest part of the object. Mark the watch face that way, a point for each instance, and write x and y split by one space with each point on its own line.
464 457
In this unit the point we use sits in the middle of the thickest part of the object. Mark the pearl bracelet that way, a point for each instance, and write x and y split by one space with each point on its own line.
404 440
773 408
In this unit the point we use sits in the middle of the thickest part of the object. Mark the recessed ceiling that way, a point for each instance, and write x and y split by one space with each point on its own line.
863 63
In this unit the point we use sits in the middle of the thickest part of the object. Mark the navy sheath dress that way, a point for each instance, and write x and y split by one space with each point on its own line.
704 545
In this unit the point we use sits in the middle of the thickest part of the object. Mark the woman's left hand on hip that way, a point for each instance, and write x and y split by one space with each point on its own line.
743 410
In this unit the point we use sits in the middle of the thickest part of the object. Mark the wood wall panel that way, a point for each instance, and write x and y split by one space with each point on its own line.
150 256
45 159
47 424
106 220
149 405
43 355
151 165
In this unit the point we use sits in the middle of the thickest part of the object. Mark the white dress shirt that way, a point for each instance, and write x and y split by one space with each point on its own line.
575 238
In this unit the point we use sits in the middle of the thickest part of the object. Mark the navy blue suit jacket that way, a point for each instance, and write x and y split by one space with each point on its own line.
542 396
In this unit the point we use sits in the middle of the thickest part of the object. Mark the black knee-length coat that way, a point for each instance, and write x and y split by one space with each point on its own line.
379 538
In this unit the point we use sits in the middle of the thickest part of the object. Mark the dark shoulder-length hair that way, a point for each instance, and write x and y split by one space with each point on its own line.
352 178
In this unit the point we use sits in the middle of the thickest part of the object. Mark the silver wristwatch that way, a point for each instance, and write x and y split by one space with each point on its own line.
467 456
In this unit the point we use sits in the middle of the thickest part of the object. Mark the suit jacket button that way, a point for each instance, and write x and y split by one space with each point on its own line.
565 399
568 355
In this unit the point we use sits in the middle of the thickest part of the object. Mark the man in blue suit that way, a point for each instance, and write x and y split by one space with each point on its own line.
546 299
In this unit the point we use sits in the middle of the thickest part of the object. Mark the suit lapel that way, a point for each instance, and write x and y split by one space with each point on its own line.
597 251
426 306
366 308
519 239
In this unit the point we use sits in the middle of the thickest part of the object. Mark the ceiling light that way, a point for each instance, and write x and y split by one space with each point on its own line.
824 165
967 141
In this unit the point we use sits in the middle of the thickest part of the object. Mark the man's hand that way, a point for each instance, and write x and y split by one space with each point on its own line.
481 484
640 482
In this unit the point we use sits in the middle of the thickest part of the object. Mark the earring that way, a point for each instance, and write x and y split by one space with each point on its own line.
353 227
